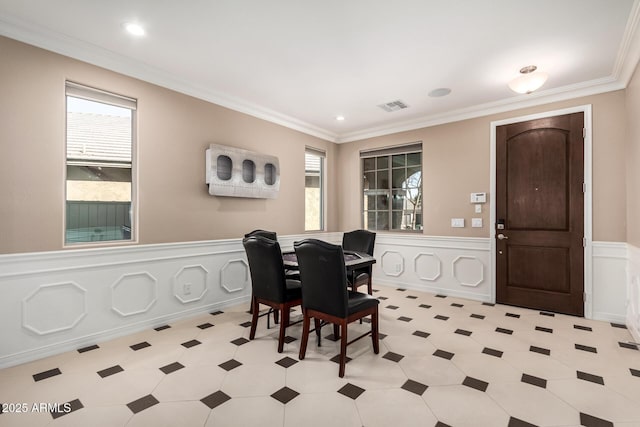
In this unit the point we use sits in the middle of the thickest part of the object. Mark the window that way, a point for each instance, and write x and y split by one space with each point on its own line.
392 188
99 165
314 190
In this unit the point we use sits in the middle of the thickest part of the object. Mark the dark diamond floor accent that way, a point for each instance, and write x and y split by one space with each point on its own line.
215 313
89 348
366 320
516 422
414 387
46 374
286 362
140 346
392 307
240 341
583 328
463 332
336 359
536 381
245 324
412 297
543 329
421 334
142 403
441 424
475 383
477 316
191 343
590 377
405 319
619 325
443 354
628 345
382 298
586 348
546 313
381 336
504 331
288 339
540 350
492 352
205 325
394 357
172 367
455 304
400 289
332 337
516 316
591 421
441 296
351 391
285 395
439 317
424 306
110 371
230 364
215 399
67 408
489 304
635 372
161 328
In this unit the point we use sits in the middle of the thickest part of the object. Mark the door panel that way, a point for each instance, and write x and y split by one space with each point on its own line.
540 202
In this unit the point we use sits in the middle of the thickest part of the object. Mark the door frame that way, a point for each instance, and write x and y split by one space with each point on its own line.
588 200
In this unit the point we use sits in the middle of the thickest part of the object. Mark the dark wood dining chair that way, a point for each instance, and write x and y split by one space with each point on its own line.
269 284
325 296
272 235
360 241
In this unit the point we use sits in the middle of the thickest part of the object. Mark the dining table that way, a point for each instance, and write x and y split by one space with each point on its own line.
352 260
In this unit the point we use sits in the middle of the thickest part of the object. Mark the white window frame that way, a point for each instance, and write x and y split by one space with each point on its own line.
323 185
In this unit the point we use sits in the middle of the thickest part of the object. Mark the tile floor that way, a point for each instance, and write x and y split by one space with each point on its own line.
443 361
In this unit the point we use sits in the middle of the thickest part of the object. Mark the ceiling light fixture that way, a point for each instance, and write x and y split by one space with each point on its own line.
135 29
340 118
529 81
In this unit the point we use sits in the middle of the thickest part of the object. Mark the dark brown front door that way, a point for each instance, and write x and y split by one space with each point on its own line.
540 214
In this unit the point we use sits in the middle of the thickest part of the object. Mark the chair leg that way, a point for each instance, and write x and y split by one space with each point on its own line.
374 332
336 331
284 322
275 316
254 317
305 336
343 347
318 325
370 286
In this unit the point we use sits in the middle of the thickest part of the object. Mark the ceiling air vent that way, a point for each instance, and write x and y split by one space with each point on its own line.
393 106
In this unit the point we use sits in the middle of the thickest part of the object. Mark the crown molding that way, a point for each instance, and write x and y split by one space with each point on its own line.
96 55
624 67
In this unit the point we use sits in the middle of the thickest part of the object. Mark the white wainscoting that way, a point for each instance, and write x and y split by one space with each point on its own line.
443 265
64 300
633 293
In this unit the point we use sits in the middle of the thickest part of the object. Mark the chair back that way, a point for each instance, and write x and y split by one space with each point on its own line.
323 276
264 233
266 266
359 241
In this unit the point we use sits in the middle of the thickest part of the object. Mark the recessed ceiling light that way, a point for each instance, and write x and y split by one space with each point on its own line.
441 91
135 29
339 118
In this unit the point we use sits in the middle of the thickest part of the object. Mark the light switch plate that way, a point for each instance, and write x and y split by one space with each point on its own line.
476 222
457 222
478 208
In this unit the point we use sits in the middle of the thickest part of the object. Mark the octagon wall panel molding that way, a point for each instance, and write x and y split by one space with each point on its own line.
468 270
234 275
427 266
392 263
190 283
54 308
134 293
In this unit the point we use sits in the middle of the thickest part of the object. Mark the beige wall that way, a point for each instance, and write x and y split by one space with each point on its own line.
456 162
173 132
633 160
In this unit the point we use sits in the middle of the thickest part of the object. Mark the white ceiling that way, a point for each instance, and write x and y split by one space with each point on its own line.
301 63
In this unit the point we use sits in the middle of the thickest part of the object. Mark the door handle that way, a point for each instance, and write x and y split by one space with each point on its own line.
501 236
